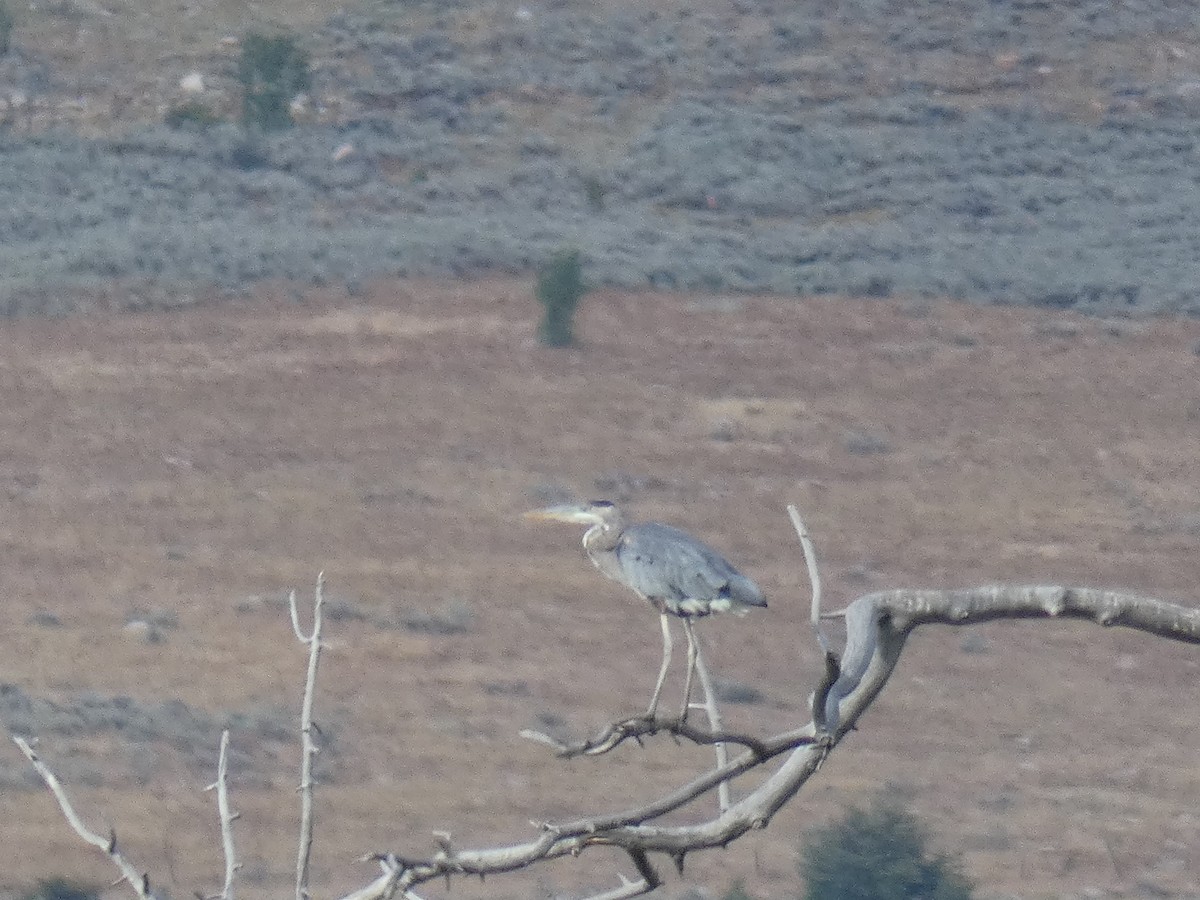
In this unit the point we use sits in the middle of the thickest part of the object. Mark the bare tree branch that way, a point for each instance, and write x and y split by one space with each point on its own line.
712 711
221 786
832 662
308 748
627 889
386 885
878 624
637 728
625 829
139 881
814 575
649 881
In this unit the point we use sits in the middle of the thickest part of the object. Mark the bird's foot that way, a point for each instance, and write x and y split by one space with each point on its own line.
642 723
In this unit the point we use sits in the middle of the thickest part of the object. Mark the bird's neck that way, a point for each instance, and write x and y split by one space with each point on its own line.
602 537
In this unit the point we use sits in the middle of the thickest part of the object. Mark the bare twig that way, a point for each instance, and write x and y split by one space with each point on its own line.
627 889
386 885
814 575
820 697
714 715
648 882
138 881
308 748
639 727
221 786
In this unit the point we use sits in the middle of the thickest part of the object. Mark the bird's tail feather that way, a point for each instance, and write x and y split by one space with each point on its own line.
746 592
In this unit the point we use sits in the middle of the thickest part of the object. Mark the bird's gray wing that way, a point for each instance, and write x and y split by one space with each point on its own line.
661 562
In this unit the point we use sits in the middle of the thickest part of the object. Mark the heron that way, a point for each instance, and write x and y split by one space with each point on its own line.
678 574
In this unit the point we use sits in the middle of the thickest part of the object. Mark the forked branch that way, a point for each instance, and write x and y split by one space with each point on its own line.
308 745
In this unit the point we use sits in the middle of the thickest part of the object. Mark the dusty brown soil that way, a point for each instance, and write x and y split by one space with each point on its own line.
204 462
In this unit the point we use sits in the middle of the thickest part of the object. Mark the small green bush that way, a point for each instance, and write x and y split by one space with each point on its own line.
7 23
595 192
272 70
62 889
250 153
878 854
559 289
192 113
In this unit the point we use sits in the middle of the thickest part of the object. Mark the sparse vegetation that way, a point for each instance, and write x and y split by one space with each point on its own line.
452 617
559 289
249 154
595 192
737 892
272 70
62 889
878 853
7 22
192 113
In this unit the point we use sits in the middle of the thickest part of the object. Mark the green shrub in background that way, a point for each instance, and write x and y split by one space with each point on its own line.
272 70
878 854
192 113
62 889
559 289
595 192
7 22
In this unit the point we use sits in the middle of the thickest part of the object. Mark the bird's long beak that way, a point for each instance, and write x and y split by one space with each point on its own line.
568 512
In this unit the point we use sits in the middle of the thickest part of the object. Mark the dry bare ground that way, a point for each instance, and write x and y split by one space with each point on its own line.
202 462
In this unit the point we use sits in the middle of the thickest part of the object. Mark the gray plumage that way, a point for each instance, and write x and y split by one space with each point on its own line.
678 574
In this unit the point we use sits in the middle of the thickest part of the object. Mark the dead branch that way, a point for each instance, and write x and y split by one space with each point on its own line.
627 829
308 748
712 712
386 885
877 626
227 816
814 576
138 881
832 661
638 727
649 881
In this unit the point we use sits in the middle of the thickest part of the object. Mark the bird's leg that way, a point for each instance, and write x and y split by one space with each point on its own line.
693 652
668 646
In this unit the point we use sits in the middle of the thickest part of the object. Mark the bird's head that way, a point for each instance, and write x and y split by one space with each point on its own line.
593 512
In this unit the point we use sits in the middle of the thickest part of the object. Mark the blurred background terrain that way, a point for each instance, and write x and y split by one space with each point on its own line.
315 349
1023 152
